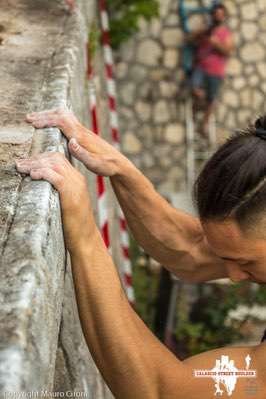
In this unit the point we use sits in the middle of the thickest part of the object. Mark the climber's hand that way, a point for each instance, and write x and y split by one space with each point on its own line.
78 221
60 117
97 154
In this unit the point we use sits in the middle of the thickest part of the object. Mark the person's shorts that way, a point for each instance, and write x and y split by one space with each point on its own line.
209 83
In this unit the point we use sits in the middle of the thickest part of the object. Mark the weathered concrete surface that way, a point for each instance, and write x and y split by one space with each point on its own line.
42 66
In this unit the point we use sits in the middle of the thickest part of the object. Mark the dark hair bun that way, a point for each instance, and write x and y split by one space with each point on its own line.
260 123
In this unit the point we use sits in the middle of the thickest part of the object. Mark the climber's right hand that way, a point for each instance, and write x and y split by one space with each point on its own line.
99 156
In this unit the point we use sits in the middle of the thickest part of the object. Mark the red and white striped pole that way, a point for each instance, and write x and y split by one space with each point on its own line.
101 188
112 99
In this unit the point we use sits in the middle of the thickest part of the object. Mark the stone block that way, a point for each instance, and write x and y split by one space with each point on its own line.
249 30
170 58
231 98
164 7
261 67
138 73
245 97
174 133
149 52
234 67
249 11
155 27
121 70
239 83
168 89
143 110
161 112
172 37
131 144
252 52
127 92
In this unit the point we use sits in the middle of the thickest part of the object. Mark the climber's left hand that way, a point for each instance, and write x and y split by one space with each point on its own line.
78 220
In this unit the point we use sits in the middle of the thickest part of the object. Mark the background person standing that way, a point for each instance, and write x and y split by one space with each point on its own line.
213 48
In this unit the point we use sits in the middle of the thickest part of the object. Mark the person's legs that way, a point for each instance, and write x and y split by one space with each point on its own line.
198 85
213 87
210 106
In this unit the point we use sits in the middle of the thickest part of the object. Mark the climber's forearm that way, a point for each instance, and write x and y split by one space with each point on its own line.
163 232
175 239
148 215
123 348
172 237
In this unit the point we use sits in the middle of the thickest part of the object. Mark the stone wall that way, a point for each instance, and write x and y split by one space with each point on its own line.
150 85
43 65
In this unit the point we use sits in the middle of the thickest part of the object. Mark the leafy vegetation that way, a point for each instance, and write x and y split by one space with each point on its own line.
125 16
204 327
93 41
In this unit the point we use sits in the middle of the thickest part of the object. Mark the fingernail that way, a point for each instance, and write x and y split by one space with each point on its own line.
74 144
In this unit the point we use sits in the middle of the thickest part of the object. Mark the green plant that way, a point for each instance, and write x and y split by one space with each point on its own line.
93 40
145 284
258 296
204 327
125 15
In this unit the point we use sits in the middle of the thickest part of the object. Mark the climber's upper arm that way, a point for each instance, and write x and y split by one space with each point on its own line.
190 257
179 383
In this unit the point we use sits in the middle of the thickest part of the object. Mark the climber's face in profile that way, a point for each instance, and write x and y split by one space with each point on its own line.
219 15
244 253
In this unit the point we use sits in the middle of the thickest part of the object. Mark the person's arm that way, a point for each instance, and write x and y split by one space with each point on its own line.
195 37
225 47
172 237
131 359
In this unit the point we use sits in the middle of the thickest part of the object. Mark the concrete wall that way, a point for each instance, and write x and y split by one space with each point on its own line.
151 95
43 65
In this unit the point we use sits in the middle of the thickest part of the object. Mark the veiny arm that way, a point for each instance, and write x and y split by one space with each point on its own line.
172 237
133 362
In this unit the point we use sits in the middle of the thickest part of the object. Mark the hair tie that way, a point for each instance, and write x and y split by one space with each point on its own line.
261 133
